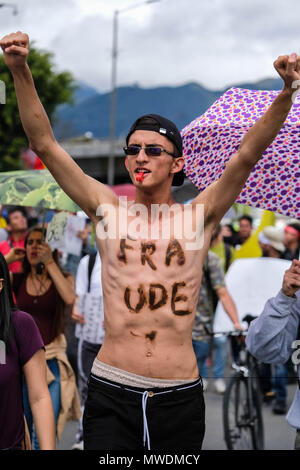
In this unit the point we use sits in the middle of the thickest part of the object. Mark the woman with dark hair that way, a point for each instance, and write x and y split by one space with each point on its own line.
21 352
45 292
230 236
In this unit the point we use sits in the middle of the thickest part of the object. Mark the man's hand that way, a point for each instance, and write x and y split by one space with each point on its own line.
238 326
76 315
288 67
15 254
291 280
15 47
83 234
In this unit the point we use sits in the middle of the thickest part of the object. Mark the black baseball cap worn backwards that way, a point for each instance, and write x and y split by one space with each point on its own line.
156 123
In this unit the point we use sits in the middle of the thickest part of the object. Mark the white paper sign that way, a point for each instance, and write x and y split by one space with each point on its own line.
250 282
73 244
91 307
62 233
56 231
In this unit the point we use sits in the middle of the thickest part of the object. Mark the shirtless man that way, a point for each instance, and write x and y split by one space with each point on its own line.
145 390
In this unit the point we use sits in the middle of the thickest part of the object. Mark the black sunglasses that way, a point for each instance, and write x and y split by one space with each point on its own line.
150 151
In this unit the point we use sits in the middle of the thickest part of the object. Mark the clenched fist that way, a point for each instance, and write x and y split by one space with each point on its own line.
291 280
15 47
288 67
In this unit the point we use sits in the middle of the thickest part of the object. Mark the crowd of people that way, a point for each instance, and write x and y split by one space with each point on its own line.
53 288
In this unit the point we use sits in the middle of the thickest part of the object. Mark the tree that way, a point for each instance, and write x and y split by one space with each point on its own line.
53 89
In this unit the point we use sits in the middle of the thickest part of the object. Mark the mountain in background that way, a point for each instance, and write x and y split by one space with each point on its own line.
91 109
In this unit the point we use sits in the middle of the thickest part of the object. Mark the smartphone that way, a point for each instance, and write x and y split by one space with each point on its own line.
39 267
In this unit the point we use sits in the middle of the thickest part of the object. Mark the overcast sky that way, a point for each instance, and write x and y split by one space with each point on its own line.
214 42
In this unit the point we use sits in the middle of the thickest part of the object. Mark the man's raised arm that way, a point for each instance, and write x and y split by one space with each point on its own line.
220 196
84 190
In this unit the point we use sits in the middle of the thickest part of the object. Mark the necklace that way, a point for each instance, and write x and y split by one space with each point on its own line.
38 290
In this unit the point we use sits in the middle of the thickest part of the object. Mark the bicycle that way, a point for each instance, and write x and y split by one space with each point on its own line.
242 410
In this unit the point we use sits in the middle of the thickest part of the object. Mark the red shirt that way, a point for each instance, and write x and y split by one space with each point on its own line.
5 247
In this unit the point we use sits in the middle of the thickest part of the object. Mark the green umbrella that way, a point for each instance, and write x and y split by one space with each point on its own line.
34 188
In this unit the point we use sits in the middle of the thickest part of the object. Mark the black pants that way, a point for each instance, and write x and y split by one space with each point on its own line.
87 354
129 418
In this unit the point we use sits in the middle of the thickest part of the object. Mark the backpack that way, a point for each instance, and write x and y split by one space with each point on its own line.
227 256
206 273
92 260
211 290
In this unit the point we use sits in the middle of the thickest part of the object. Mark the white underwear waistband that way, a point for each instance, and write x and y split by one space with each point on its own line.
106 371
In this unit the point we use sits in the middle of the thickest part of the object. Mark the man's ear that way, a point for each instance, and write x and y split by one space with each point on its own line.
126 163
178 164
8 228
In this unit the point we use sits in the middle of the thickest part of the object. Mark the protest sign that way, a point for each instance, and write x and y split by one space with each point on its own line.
250 282
91 307
62 233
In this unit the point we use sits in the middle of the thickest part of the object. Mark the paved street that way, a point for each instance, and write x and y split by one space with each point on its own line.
278 434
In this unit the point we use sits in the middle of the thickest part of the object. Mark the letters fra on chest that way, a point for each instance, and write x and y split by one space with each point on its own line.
155 295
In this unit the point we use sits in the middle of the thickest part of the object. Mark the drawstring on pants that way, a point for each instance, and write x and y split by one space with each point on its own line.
146 430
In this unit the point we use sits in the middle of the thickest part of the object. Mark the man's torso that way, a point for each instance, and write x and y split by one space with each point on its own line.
150 292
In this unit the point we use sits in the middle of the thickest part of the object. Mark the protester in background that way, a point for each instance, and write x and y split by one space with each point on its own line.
271 336
45 292
245 230
13 247
223 250
225 253
263 243
88 283
274 249
292 241
71 261
229 235
292 251
212 289
273 241
69 264
24 354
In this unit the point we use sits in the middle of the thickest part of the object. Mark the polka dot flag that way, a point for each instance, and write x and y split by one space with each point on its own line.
211 139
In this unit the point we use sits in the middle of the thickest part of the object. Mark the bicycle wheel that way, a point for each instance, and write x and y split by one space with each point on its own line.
258 425
239 431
